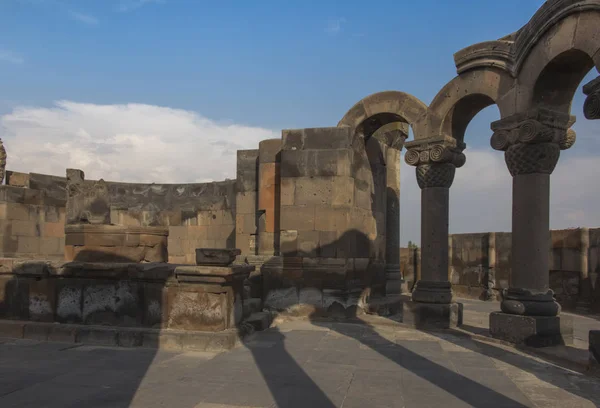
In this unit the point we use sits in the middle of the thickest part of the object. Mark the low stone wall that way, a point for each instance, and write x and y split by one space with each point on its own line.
480 265
32 214
148 295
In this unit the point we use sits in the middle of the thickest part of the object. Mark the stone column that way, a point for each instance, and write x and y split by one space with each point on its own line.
532 142
394 140
436 164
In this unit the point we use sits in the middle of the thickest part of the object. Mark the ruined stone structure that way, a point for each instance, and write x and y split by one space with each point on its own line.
318 210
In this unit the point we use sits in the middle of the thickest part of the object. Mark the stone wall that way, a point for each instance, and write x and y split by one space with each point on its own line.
32 217
32 212
480 265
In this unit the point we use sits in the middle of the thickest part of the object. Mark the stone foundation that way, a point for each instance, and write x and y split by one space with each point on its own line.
148 296
534 331
329 285
115 243
432 315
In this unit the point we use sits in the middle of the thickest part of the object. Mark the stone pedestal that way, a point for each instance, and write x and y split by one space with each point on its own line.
115 243
533 331
432 315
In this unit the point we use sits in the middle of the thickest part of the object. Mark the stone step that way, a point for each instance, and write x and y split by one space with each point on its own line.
252 305
260 320
393 276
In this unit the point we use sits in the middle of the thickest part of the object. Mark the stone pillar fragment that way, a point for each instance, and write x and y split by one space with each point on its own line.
532 142
268 197
87 202
432 297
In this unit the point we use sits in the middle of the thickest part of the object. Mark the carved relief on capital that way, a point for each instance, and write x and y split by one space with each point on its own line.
532 141
591 106
392 138
436 163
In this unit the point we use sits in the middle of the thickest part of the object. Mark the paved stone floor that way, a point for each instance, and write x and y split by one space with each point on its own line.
297 364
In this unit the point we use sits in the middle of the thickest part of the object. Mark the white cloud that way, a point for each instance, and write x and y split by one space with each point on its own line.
83 18
133 142
11 57
130 5
334 26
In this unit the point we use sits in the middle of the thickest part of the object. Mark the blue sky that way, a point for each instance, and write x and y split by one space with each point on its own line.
181 84
263 63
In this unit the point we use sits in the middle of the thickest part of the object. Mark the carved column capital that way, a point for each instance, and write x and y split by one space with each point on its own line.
393 134
436 161
591 106
532 141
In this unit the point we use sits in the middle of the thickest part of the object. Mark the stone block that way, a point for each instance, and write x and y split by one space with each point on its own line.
327 244
35 331
246 202
28 245
16 211
197 310
12 329
287 191
328 218
335 191
69 301
25 228
594 350
163 339
432 316
288 242
245 223
220 257
533 331
308 243
299 218
53 229
328 138
63 333
292 139
42 300
130 337
17 179
97 336
268 151
316 163
247 170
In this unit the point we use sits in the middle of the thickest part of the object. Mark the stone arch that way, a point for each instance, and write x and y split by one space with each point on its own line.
379 109
465 96
559 55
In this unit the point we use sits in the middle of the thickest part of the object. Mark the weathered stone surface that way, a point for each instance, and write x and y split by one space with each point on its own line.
213 256
432 315
87 202
534 331
112 243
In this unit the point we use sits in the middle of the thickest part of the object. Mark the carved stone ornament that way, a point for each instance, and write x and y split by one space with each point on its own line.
436 161
2 161
591 106
532 141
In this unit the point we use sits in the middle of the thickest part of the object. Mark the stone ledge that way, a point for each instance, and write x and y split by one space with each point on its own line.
178 340
533 331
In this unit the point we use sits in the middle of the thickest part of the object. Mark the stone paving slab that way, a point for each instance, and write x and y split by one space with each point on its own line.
297 364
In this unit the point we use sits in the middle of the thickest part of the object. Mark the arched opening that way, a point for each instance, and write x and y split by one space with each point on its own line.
560 79
463 112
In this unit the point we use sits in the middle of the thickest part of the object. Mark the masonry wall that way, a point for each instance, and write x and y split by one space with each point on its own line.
32 212
480 265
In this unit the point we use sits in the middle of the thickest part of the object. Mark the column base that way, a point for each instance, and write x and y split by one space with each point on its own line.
432 292
432 315
533 331
526 303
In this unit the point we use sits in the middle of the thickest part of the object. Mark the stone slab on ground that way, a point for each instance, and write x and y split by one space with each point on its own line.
167 339
297 364
533 331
